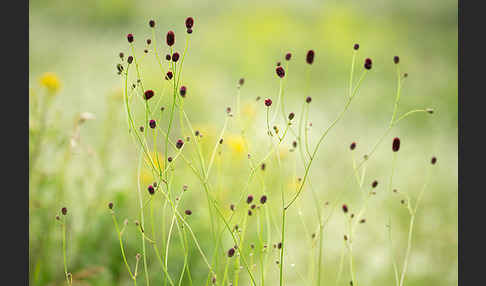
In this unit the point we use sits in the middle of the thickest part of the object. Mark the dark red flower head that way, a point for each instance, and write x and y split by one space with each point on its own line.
345 208
179 144
175 57
110 205
152 23
268 102
374 184
231 252
64 210
169 75
356 47
167 57
148 94
396 59
396 144
152 124
151 189
183 91
280 71
367 64
170 38
188 212
189 22
308 99
130 59
353 145
149 41
189 31
249 199
263 199
291 115
288 56
130 38
310 57
241 81
433 160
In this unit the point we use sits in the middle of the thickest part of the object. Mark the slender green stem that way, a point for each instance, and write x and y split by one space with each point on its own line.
322 138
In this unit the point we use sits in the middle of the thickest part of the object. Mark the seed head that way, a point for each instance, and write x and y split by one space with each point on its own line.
353 146
121 55
310 57
183 91
263 199
110 205
141 128
263 166
279 64
119 67
231 252
294 144
169 159
345 208
152 23
362 220
149 41
189 22
167 57
148 94
232 207
374 184
151 189
356 47
396 144
152 124
249 199
129 59
64 210
396 59
253 206
145 51
280 71
130 38
179 144
308 99
367 64
249 212
241 81
58 217
170 38
433 160
288 56
188 212
175 57
268 102
169 75
291 115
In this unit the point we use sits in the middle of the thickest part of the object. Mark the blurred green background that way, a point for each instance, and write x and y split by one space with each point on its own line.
80 41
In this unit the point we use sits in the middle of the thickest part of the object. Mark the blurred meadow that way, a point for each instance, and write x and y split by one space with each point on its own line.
85 158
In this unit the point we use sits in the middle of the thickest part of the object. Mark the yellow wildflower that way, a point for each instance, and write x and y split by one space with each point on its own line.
236 143
51 82
249 111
